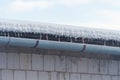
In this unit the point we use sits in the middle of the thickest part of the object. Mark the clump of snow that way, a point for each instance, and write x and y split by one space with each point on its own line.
57 29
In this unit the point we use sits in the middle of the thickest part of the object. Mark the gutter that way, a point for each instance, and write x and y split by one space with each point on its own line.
56 45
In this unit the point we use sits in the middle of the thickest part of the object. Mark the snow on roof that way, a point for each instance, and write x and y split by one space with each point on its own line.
58 29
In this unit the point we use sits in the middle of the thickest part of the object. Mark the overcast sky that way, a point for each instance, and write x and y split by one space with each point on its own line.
88 13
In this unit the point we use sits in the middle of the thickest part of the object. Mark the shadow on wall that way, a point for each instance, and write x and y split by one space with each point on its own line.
57 52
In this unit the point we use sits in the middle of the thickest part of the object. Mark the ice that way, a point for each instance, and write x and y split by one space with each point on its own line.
58 29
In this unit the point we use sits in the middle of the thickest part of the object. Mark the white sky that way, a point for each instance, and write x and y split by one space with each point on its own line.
89 13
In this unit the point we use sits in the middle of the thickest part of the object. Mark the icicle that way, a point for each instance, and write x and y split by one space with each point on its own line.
56 29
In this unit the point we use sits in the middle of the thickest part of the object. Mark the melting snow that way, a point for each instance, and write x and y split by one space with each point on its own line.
57 29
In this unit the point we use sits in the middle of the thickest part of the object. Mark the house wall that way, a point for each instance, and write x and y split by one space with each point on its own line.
30 66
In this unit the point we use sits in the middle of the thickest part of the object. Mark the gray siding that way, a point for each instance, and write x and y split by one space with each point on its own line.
30 66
